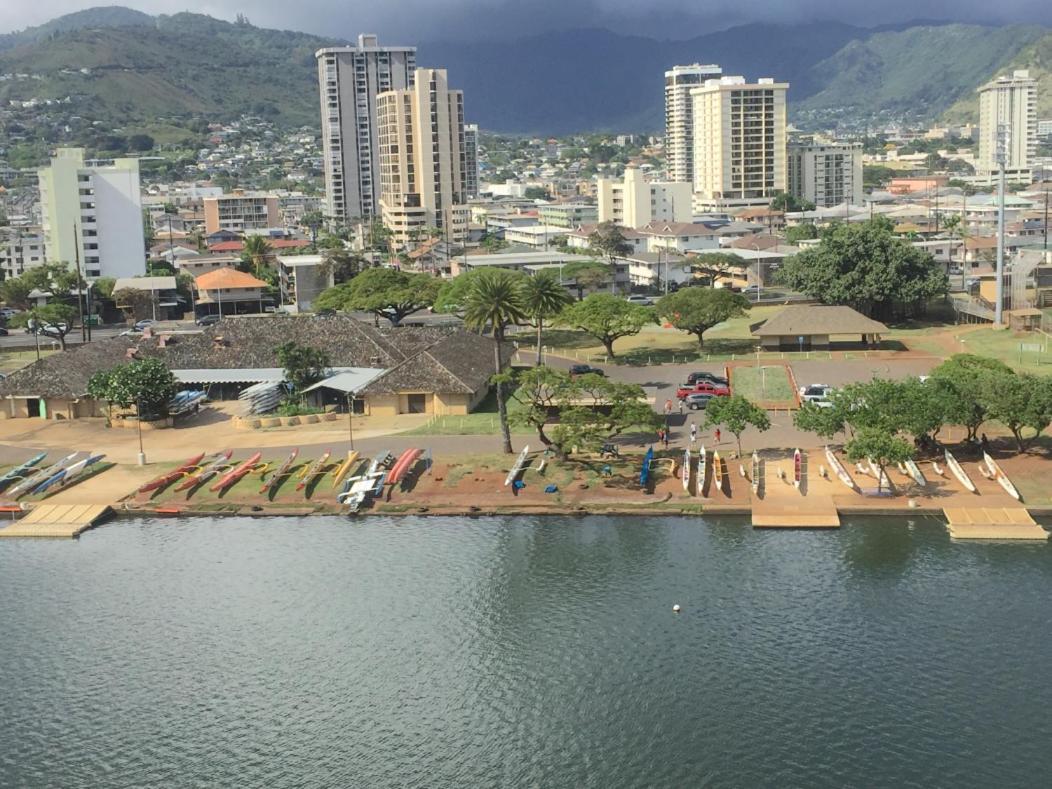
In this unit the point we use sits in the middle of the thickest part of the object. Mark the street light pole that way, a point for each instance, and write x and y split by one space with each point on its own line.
1002 158
138 424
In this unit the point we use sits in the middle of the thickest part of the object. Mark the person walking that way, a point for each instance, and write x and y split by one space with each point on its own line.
668 408
664 438
681 408
717 435
693 433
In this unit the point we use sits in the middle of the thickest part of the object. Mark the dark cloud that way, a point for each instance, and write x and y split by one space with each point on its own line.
429 20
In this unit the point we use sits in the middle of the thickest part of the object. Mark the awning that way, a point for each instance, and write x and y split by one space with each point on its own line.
349 381
232 376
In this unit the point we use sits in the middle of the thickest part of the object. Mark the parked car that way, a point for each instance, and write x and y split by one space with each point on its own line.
640 299
817 394
3 332
585 369
696 401
50 329
8 312
719 380
703 387
143 325
207 320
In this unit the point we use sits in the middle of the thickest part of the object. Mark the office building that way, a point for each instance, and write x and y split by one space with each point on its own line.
350 79
568 215
92 210
241 211
471 160
21 248
422 160
679 117
1010 102
634 201
739 142
825 173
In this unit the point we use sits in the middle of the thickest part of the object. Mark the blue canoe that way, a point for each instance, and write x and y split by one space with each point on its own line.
644 474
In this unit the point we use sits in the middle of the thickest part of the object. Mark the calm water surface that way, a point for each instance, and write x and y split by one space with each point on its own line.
535 653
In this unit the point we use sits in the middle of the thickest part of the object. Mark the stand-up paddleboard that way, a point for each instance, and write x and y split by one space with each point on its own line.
798 468
236 474
20 471
684 473
171 476
756 472
313 470
838 468
913 472
344 468
959 472
1001 477
207 471
281 472
644 471
402 465
518 466
30 482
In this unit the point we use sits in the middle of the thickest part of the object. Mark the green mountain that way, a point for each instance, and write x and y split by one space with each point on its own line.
103 16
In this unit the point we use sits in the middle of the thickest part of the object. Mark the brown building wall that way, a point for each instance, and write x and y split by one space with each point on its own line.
211 216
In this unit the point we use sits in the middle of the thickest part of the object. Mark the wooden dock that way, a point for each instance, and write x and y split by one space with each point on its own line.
783 506
56 520
992 523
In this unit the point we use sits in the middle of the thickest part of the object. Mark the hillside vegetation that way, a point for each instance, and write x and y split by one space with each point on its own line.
1037 57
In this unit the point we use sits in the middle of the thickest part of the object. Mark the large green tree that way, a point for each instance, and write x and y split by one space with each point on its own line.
716 265
497 300
607 318
961 381
303 365
736 413
52 320
147 384
609 241
385 292
587 275
1020 402
881 447
696 310
544 297
865 266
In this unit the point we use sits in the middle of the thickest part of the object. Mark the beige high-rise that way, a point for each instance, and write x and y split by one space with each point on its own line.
679 117
422 159
739 142
1011 101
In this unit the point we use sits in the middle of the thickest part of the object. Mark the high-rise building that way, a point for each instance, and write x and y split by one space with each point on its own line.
350 79
739 142
1011 103
21 248
825 173
241 211
92 209
635 201
471 160
422 159
679 117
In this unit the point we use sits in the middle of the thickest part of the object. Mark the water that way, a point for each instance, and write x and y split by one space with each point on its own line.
518 652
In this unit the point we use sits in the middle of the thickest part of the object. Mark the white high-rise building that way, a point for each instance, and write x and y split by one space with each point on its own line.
350 79
679 117
825 173
93 209
635 201
471 160
1011 102
739 142
422 159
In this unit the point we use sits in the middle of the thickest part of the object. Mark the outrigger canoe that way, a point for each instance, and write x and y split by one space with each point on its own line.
838 468
313 470
798 468
699 483
283 469
717 469
883 481
206 472
66 475
19 471
168 478
402 465
236 474
344 468
644 472
520 464
1000 477
35 479
960 473
755 472
914 472
685 471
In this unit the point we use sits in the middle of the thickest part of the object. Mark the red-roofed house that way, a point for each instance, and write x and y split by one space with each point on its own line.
227 291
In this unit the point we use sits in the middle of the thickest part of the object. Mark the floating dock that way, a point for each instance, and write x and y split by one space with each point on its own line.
785 506
992 523
56 520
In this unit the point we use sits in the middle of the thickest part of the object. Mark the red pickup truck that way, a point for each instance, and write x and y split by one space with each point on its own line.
703 387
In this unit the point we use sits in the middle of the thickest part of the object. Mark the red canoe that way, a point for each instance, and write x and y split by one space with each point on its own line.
231 477
172 475
402 465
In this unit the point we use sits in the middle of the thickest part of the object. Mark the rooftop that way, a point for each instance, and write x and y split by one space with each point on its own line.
807 320
224 278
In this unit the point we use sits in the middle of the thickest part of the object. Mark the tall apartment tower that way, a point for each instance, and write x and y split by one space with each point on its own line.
739 142
422 158
350 79
679 117
93 210
1011 101
471 160
825 173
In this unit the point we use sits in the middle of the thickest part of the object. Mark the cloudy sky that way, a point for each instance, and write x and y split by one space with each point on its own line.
424 20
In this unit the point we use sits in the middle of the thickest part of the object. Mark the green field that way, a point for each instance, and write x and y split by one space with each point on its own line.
767 383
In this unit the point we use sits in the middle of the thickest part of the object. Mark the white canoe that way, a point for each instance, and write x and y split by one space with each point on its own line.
838 468
702 468
520 462
685 471
755 472
914 472
1001 477
960 473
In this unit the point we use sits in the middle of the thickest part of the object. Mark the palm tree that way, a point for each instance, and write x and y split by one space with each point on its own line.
544 297
497 299
257 251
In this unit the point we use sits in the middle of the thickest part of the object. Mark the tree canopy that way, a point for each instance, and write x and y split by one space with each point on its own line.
147 384
303 365
880 447
607 318
866 267
57 318
587 275
386 292
608 240
714 265
736 413
696 310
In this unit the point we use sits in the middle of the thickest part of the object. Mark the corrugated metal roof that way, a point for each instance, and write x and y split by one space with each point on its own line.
358 375
352 380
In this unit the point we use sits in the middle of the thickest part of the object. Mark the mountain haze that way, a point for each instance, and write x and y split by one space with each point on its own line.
141 67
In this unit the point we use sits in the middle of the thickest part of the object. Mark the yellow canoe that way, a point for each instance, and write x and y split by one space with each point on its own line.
345 467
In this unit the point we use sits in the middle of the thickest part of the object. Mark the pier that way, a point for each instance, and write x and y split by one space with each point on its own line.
992 523
56 520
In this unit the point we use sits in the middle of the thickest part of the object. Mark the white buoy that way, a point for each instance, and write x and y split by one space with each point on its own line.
676 608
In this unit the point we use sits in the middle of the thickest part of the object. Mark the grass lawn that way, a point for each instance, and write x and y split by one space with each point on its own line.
1026 352
484 420
16 360
768 383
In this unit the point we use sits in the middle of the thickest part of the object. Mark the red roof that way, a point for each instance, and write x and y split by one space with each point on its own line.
226 278
275 243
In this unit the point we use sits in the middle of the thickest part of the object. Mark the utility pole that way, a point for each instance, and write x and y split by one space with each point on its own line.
80 286
1046 217
1001 158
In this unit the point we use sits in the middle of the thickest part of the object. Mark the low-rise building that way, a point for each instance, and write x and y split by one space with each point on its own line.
805 327
302 278
241 211
21 248
680 236
227 291
535 236
633 201
568 215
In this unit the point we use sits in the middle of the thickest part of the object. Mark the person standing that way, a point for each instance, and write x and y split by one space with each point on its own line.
693 433
717 435
664 437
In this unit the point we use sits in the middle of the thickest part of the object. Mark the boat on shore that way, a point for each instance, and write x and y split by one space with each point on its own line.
20 471
798 468
717 469
171 476
206 472
402 465
913 472
281 472
518 465
838 468
883 480
1000 477
756 472
644 471
313 470
958 471
344 468
236 473
35 479
703 467
67 474
684 472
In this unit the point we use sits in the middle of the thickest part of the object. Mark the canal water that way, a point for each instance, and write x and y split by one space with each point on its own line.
504 652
